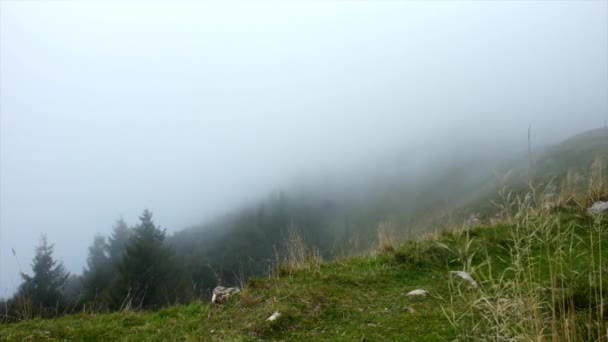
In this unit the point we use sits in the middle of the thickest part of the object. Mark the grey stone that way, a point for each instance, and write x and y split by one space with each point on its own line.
220 293
598 208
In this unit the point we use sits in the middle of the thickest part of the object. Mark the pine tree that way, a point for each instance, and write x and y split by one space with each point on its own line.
97 275
117 242
149 276
44 287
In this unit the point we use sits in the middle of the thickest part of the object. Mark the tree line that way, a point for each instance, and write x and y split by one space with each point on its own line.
141 267
134 268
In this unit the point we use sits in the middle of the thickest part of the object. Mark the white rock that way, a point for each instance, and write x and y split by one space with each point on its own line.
274 316
598 208
473 219
220 293
548 206
418 292
464 275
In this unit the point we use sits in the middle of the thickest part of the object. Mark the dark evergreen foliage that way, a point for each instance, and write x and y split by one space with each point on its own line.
117 242
148 274
98 274
44 288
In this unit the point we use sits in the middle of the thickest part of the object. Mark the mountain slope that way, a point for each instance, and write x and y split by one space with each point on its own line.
365 298
342 218
544 265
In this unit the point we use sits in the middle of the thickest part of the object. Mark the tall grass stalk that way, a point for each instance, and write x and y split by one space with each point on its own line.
386 236
295 255
549 292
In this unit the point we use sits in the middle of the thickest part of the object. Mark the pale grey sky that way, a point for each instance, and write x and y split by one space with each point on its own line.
190 108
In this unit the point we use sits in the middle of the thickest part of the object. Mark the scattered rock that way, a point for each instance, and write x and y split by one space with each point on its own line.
598 208
418 292
409 309
220 293
274 316
548 206
464 275
473 219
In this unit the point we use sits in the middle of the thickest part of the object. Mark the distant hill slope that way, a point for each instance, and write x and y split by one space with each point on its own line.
568 166
343 218
574 154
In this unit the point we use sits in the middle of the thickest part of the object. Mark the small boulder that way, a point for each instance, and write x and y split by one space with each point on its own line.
473 219
418 292
598 208
220 293
274 316
465 276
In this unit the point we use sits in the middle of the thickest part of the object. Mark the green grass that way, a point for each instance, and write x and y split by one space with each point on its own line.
364 298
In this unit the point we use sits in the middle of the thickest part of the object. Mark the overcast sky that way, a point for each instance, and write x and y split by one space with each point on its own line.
190 108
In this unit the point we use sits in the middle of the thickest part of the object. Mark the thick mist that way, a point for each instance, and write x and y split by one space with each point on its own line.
192 108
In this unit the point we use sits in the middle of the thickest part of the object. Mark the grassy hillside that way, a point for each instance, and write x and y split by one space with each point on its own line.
569 168
540 274
537 255
574 154
341 218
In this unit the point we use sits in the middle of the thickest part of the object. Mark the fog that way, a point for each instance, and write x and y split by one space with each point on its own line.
192 108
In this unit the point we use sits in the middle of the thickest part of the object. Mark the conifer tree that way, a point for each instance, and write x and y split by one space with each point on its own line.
97 275
149 276
44 287
117 242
